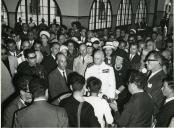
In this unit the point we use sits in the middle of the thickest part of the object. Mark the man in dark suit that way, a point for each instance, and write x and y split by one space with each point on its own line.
49 62
23 99
24 33
134 57
40 113
154 64
139 110
166 112
58 77
72 103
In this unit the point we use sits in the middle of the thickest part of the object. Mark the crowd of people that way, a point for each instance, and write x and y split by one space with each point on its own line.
54 76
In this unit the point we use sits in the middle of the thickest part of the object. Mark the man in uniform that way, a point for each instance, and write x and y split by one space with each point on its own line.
103 72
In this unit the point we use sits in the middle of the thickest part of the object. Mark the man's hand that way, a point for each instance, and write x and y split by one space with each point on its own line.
113 105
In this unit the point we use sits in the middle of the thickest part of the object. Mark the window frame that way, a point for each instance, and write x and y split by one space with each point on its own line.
3 3
121 3
143 11
37 20
95 16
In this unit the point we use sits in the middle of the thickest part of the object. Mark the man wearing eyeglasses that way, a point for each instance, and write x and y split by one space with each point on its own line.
30 66
154 65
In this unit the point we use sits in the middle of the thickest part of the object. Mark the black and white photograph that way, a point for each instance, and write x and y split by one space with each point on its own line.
87 63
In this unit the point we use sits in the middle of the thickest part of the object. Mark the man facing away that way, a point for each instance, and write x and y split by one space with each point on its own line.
40 113
139 110
72 103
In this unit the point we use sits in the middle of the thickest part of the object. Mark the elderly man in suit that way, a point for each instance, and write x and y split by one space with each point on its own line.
166 112
58 77
40 113
139 110
154 65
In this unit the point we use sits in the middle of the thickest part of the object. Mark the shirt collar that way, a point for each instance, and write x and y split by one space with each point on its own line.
40 99
169 99
61 71
22 101
53 56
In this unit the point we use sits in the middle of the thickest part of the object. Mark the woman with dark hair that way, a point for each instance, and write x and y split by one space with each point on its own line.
121 69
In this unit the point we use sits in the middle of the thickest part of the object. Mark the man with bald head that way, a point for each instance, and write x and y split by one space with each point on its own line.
103 72
58 77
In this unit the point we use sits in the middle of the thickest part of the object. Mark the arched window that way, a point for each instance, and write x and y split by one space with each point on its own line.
100 15
124 13
141 12
4 13
38 10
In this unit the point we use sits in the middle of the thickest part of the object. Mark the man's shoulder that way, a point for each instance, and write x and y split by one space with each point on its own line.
90 65
68 70
13 105
53 72
25 63
66 101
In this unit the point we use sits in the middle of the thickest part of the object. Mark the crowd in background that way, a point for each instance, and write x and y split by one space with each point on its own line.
109 71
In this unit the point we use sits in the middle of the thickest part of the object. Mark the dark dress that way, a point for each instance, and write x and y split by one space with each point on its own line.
122 77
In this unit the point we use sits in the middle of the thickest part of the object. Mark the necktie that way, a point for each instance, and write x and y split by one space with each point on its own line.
83 60
64 76
131 56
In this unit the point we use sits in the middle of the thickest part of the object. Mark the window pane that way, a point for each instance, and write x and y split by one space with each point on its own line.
124 13
4 17
141 11
101 14
39 9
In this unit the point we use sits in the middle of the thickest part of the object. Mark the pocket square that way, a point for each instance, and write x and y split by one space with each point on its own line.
149 85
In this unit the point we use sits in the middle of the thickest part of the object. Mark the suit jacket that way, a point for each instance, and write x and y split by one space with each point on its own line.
137 112
49 64
41 114
57 84
15 105
154 89
135 62
24 36
7 87
165 115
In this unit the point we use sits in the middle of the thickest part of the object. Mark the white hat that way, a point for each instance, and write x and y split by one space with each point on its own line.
89 44
133 30
93 39
109 45
115 44
75 39
45 33
63 47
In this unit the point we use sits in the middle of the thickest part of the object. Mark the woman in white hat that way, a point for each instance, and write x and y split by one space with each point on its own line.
64 50
44 35
109 50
